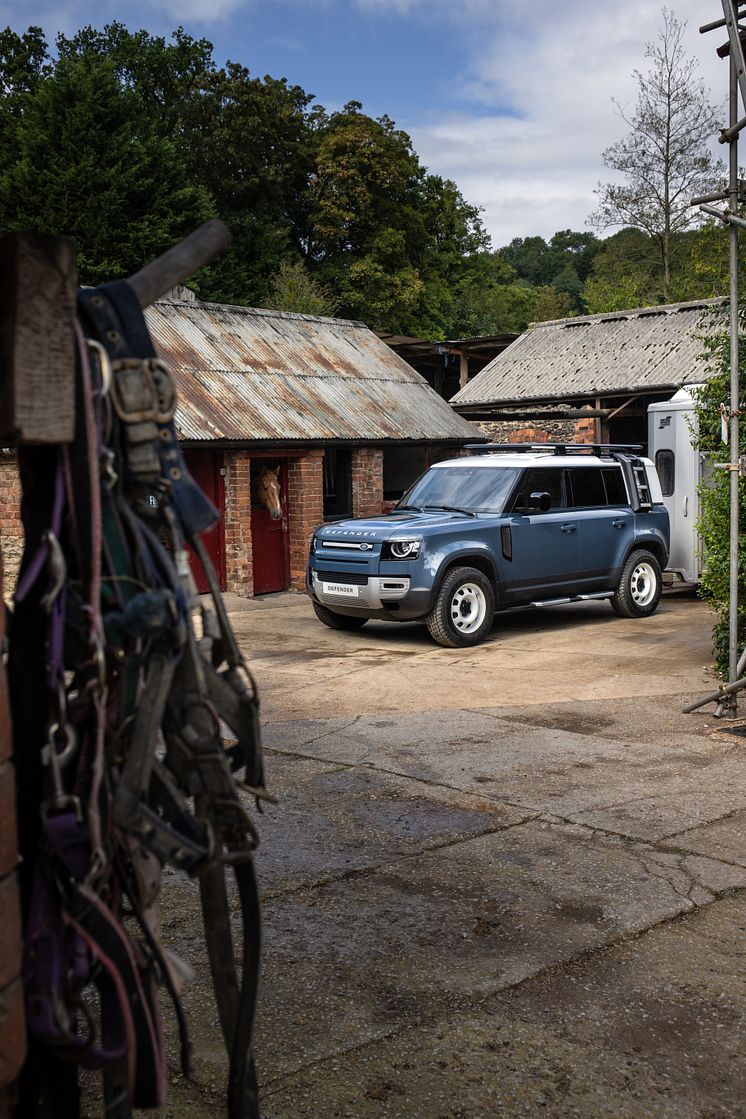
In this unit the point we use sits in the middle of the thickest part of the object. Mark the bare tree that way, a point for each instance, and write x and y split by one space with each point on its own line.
664 157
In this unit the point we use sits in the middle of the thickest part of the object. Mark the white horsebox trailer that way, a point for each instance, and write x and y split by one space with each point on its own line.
681 469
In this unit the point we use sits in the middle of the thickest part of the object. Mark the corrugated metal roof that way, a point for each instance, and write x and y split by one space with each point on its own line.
597 355
249 374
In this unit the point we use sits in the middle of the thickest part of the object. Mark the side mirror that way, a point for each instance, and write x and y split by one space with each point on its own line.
539 502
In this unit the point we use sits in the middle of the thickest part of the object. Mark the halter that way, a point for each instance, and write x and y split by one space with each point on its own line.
123 682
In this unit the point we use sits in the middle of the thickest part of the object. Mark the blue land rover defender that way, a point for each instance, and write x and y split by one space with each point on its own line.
511 525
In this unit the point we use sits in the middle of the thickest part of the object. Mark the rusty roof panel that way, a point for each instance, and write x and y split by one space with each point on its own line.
625 351
246 374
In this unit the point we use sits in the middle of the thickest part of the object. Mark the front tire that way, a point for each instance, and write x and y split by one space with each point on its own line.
337 621
464 609
640 586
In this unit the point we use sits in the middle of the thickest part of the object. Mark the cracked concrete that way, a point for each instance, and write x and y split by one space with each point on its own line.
505 881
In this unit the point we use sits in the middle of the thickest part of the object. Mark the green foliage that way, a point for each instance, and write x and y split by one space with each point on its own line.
563 263
343 193
627 272
294 289
714 522
91 165
551 303
395 243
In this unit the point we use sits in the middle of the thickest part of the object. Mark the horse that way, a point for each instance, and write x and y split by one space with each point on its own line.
269 491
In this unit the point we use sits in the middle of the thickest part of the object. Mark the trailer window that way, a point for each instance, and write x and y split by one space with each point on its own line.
665 465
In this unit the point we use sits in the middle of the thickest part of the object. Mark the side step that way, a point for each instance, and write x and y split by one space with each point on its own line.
571 598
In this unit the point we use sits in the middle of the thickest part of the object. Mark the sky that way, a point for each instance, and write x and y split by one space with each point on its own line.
509 98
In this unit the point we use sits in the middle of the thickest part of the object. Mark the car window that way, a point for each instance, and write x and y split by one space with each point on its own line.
587 487
616 494
479 489
539 480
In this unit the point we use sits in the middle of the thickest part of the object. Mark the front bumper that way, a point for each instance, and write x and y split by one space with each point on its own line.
376 594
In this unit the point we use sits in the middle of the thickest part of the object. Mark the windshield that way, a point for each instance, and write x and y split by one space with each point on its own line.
476 490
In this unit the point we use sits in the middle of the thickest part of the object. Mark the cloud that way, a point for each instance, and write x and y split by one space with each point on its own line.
529 149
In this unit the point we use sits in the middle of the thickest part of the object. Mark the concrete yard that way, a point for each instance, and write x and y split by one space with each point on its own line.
507 881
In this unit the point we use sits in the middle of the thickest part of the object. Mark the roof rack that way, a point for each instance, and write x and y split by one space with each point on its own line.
600 449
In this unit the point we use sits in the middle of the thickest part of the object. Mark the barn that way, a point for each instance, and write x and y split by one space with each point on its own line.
590 378
344 421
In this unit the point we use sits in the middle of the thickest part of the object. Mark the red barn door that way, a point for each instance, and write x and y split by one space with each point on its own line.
269 539
205 467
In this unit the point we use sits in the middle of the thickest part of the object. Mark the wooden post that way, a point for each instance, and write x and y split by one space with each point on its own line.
463 369
38 286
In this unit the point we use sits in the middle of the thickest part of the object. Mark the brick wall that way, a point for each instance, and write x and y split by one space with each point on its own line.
12 1023
11 529
367 481
305 510
239 570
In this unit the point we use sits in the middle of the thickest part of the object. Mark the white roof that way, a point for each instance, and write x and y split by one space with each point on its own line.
499 459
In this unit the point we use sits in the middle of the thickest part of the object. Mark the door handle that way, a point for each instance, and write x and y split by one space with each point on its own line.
568 528
619 524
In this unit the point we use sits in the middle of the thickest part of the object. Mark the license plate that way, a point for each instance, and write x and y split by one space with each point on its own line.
348 589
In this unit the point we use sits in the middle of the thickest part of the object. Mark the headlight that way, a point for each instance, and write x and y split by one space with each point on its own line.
401 549
312 548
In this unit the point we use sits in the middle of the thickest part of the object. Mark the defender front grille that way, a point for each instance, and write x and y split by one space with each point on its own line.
353 577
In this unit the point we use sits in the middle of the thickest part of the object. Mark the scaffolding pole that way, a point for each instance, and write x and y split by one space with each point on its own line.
733 10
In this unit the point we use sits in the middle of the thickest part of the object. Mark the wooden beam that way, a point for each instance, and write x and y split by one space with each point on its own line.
463 371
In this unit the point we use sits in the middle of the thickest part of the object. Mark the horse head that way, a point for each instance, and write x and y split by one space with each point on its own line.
269 491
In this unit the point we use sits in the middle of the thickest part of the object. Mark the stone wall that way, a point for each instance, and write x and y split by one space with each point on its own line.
540 431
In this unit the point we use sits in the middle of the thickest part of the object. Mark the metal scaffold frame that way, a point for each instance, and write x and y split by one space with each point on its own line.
733 11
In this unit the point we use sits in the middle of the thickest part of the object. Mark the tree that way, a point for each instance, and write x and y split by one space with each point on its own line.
664 158
91 165
393 242
126 141
562 263
24 62
294 289
626 273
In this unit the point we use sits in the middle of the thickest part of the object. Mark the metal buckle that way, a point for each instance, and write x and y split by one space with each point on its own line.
133 391
165 390
143 390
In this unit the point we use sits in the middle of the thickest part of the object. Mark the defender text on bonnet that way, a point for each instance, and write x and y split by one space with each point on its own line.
515 525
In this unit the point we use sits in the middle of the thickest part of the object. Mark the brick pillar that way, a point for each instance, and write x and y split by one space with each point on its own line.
12 1015
367 481
586 431
239 568
11 529
305 510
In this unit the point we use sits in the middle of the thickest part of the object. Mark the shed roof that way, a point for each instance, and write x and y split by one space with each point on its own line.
247 374
647 349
